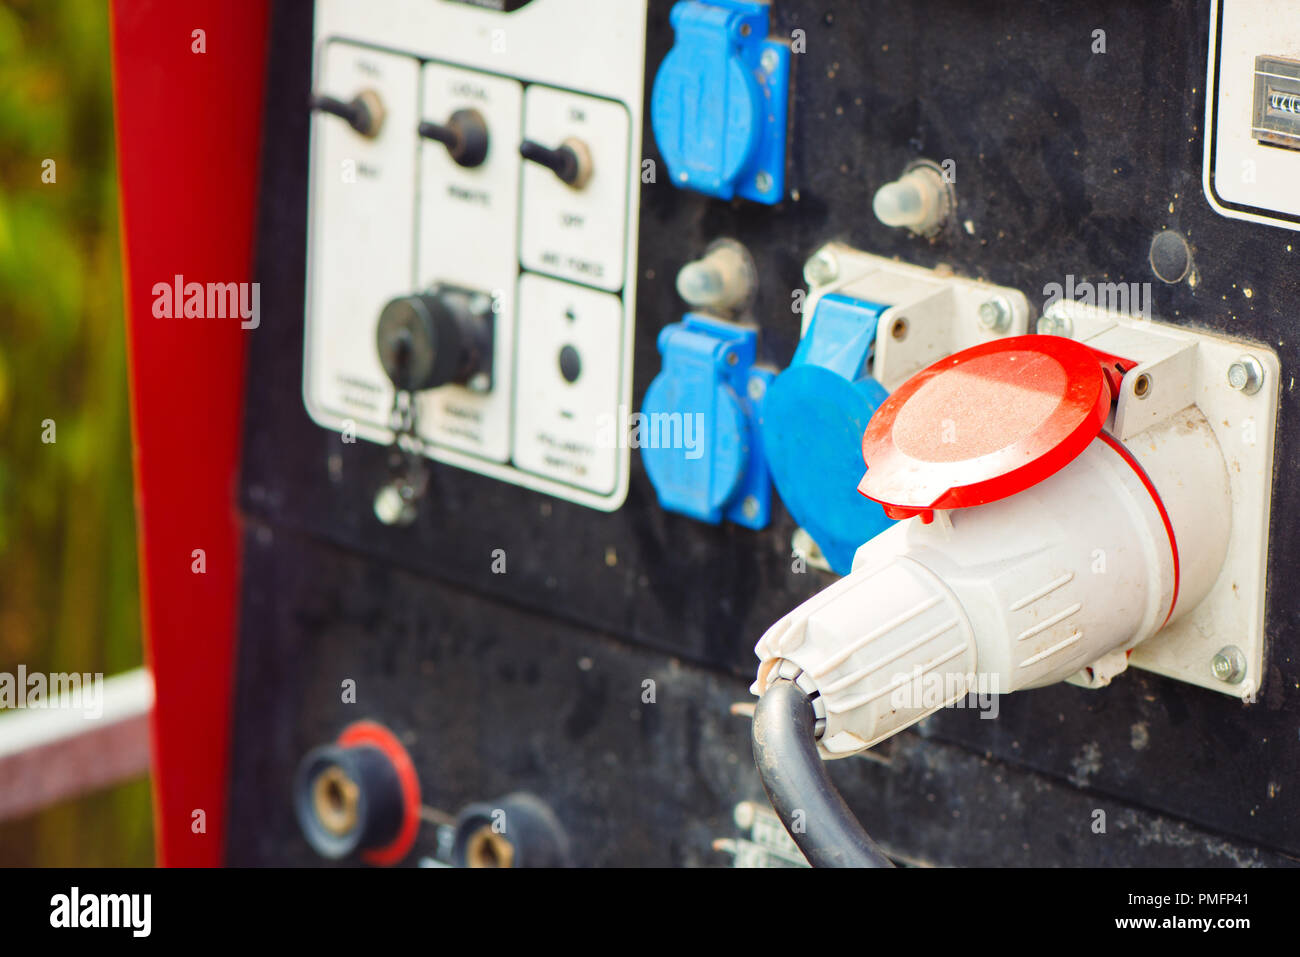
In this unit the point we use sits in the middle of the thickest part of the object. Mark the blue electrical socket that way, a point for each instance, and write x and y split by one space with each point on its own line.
705 402
721 99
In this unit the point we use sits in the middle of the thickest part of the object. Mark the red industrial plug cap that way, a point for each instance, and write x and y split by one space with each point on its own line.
986 423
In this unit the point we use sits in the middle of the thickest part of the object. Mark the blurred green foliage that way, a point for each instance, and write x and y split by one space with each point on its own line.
69 591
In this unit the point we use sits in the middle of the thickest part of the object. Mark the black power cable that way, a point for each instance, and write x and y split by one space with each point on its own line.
795 779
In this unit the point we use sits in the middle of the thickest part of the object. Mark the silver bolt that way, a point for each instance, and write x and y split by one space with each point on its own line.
743 814
392 507
995 314
750 507
769 61
1229 665
822 268
763 181
757 388
1055 323
1246 375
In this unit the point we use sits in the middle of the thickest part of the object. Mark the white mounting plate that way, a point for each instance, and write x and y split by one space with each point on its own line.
390 216
1243 178
938 310
1187 367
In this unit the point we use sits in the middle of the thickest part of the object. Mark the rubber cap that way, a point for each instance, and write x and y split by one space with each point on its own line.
812 422
986 423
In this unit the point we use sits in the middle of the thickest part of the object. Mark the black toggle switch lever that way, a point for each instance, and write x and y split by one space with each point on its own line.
570 161
465 135
364 112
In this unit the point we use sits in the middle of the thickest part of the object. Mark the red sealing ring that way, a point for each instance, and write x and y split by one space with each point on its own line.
986 423
1141 473
375 735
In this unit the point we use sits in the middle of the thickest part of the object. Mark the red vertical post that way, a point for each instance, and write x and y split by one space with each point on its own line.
188 82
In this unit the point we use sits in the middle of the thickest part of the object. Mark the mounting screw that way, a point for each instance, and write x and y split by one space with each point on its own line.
1055 323
763 181
822 268
750 507
757 388
1229 665
769 61
1246 375
995 314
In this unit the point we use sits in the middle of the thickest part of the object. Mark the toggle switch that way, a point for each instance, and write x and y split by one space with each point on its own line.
465 135
570 161
437 338
364 112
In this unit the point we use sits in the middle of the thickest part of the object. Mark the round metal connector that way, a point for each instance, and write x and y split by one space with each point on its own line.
487 848
517 830
336 800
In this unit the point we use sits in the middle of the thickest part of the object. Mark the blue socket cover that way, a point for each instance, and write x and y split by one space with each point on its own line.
812 421
721 99
698 430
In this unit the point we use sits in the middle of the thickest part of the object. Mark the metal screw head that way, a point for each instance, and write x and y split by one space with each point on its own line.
1246 375
757 388
750 507
822 268
1055 323
995 314
392 507
769 61
1229 665
763 181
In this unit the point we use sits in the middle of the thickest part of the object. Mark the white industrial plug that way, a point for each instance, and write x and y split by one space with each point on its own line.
1035 546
